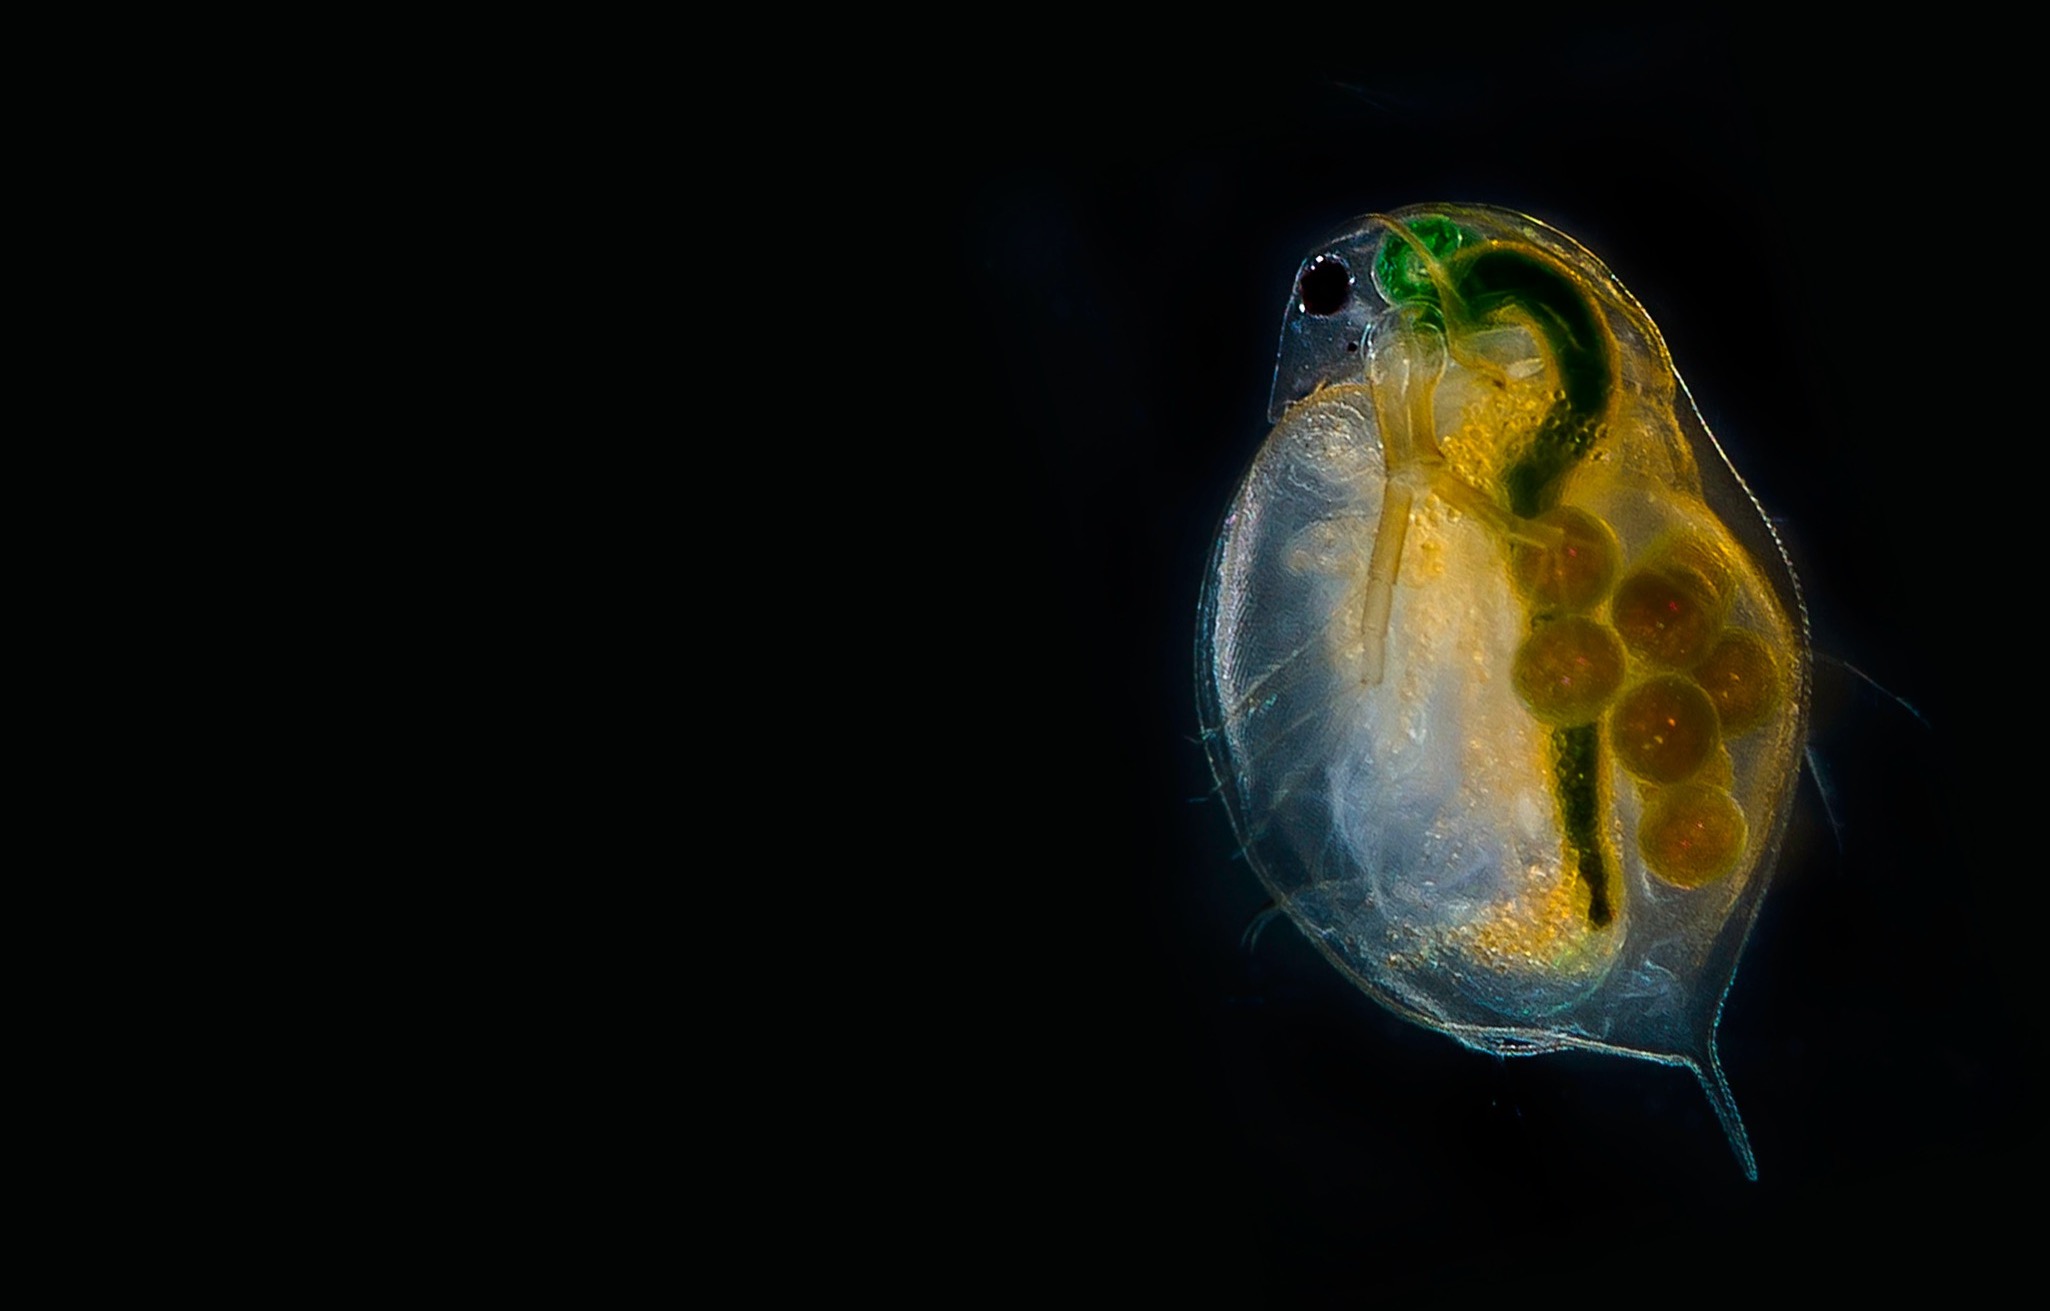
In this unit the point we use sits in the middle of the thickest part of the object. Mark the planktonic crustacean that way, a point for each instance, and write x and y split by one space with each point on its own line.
1503 673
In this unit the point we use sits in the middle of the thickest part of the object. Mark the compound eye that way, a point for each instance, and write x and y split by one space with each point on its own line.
1325 286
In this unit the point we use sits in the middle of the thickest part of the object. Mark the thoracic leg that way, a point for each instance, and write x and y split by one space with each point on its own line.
1408 360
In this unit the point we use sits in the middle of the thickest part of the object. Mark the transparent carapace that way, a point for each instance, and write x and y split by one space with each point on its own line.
1503 673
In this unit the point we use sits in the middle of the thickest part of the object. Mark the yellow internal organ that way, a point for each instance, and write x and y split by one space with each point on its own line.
1567 670
1664 729
1691 835
1742 679
1576 574
1543 929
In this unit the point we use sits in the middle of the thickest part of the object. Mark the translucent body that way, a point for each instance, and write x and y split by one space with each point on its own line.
1486 493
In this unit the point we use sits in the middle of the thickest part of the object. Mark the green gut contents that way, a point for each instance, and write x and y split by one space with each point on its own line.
1466 284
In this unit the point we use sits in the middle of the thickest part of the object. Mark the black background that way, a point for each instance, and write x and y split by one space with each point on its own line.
1108 1086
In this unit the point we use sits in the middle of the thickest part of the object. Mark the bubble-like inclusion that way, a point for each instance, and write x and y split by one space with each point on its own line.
1503 674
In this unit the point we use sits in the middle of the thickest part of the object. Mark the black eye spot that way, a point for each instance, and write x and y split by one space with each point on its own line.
1325 286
